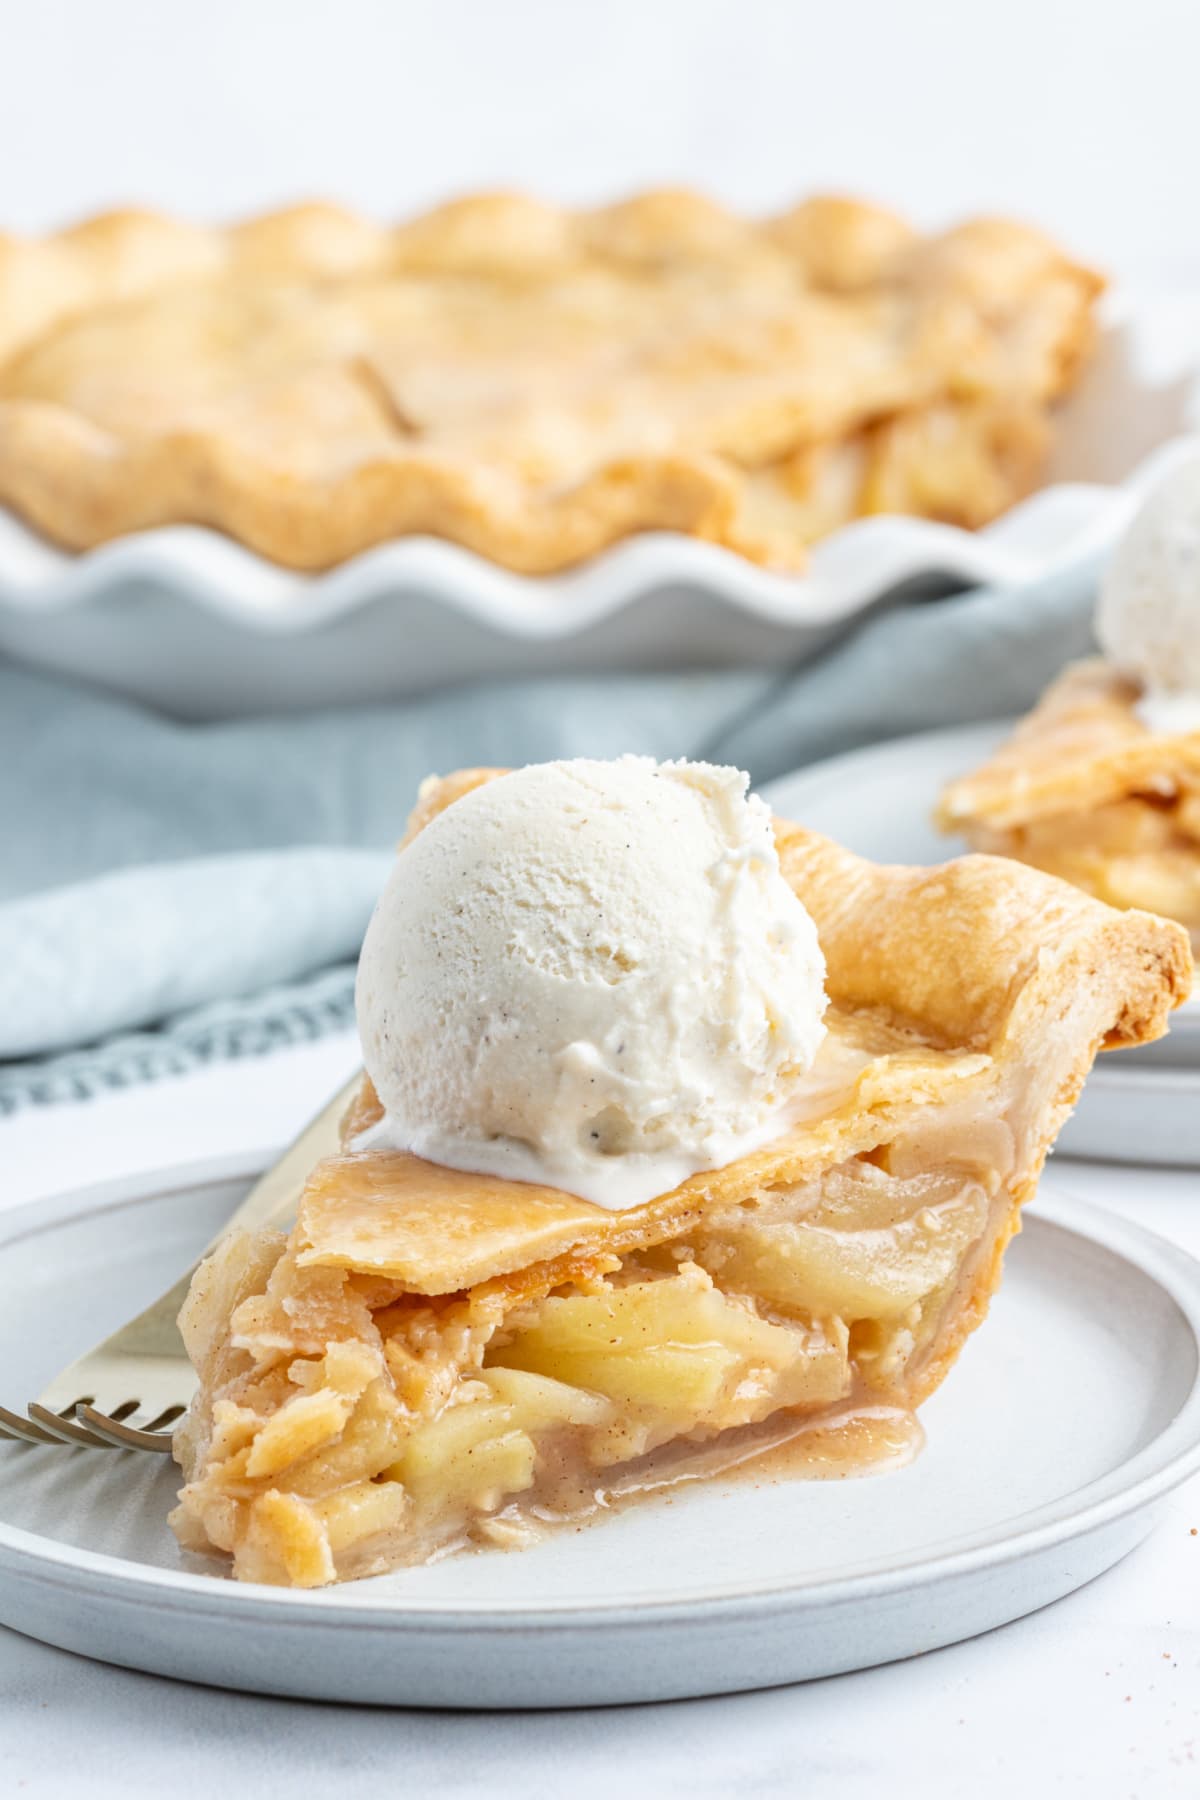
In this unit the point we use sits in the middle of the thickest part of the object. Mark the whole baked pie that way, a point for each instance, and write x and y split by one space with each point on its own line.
531 383
438 1358
1100 784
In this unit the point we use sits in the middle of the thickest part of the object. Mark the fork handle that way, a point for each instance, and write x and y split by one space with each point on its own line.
275 1195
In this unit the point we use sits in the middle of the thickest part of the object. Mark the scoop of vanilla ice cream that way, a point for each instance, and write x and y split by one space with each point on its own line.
1148 617
591 975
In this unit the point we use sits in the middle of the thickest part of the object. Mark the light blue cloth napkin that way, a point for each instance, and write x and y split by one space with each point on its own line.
171 893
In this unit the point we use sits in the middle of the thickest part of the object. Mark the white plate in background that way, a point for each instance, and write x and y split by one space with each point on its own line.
1069 1417
1139 1106
191 622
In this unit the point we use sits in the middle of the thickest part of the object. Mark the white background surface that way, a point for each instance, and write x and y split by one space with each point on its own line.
1083 118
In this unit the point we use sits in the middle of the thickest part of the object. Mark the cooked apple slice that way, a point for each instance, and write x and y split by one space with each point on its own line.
870 1249
537 1402
680 1351
471 1454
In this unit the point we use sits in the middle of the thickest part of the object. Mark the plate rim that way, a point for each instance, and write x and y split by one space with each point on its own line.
832 767
1163 1077
1169 1459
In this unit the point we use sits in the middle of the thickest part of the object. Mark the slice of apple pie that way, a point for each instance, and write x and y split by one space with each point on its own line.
437 1358
1100 783
1087 790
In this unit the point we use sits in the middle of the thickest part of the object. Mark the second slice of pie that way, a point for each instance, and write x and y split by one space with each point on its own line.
1100 783
438 1357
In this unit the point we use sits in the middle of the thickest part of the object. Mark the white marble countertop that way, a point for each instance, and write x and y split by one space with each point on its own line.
1097 1695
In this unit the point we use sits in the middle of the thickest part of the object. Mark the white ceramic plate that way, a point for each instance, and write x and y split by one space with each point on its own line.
189 621
1139 1105
1070 1416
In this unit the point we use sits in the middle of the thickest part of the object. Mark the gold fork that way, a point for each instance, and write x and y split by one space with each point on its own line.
127 1392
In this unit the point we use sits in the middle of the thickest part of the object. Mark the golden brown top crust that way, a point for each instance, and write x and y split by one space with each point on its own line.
940 981
530 382
1081 747
439 1229
969 952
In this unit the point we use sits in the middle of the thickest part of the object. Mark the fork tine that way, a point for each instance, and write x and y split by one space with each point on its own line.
65 1429
122 1436
13 1426
169 1417
146 1356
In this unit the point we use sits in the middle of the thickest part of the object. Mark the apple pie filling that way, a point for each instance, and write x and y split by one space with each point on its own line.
351 1426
